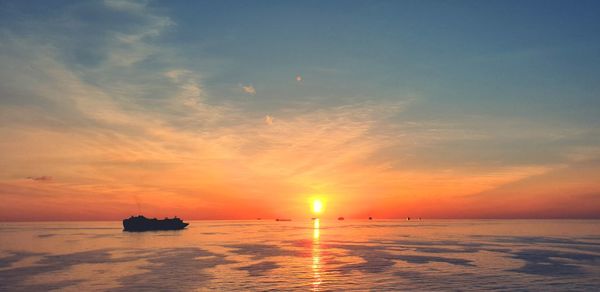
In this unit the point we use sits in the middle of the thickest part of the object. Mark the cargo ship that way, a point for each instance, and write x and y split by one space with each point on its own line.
141 223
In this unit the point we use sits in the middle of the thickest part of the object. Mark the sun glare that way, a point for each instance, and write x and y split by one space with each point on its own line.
317 206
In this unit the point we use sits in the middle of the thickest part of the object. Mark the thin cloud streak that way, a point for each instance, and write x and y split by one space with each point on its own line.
40 178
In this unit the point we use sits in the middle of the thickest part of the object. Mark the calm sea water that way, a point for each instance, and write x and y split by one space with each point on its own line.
541 255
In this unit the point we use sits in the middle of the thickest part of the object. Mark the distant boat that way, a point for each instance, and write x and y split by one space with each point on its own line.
407 218
280 219
370 218
314 218
141 223
340 218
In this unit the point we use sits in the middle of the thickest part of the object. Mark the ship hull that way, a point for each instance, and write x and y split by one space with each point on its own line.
140 224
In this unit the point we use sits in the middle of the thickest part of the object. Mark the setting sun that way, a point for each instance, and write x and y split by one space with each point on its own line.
317 206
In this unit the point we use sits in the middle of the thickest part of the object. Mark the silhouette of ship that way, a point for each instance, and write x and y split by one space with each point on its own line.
141 223
340 218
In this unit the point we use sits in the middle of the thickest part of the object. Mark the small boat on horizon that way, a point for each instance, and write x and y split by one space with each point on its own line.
283 219
141 223
340 218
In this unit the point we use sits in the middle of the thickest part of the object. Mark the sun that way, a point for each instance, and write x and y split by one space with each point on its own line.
317 206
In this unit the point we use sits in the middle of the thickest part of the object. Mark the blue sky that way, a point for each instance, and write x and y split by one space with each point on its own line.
418 93
470 56
467 53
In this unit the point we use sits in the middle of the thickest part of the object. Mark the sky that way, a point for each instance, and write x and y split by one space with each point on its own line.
246 109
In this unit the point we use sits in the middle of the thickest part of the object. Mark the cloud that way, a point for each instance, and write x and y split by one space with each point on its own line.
40 178
176 74
249 89
190 93
268 120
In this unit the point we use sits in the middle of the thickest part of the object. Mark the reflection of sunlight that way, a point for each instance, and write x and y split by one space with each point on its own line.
316 257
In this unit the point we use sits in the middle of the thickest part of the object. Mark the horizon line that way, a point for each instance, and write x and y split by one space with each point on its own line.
328 219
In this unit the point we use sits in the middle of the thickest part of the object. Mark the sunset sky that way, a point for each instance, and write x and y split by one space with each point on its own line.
245 109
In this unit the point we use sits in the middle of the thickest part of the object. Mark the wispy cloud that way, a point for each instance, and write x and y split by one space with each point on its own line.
268 120
40 178
249 89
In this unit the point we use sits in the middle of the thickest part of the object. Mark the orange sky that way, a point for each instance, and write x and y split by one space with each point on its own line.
153 114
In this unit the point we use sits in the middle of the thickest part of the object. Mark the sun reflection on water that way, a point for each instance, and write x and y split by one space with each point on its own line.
316 256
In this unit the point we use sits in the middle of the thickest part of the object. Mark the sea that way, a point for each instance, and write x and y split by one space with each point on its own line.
304 255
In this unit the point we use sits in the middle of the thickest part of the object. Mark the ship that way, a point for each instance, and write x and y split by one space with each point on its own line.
141 223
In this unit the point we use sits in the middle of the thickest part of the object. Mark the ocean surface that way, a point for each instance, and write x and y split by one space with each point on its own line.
325 255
